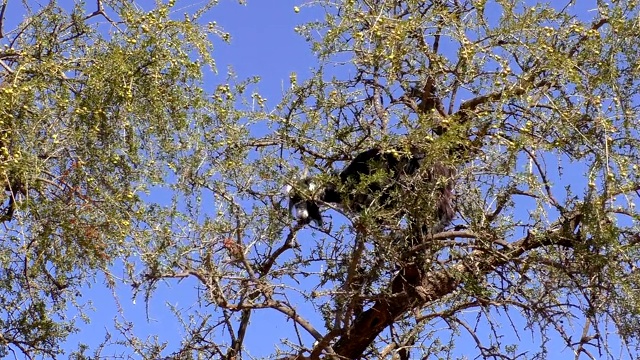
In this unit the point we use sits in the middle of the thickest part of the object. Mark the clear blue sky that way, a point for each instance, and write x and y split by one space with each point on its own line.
264 44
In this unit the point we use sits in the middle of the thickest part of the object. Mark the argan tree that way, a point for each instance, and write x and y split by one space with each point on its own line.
93 100
117 157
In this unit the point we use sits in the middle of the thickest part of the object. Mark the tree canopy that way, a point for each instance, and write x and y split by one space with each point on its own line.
120 160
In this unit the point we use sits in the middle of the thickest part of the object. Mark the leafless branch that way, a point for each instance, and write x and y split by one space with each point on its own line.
2 10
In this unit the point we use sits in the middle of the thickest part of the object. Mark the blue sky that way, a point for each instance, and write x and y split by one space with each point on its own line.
264 44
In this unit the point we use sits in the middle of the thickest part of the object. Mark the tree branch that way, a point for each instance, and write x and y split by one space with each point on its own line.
412 288
2 10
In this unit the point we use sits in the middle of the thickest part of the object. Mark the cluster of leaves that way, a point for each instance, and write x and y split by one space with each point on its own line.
91 100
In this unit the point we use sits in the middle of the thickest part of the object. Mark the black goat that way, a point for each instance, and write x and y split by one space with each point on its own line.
374 178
